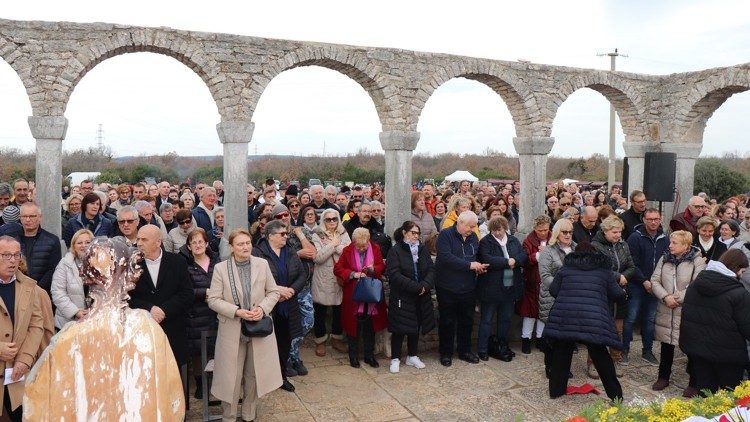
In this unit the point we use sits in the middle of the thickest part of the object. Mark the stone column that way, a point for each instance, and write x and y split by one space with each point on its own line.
636 153
49 131
399 146
532 155
685 174
235 135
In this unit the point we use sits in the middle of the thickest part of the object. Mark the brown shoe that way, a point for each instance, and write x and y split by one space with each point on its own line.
690 392
660 384
320 349
339 345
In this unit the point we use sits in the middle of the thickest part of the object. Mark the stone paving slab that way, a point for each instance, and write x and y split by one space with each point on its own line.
488 391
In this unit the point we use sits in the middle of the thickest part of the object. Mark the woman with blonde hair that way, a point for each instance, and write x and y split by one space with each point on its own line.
672 275
67 291
456 206
243 288
330 238
706 241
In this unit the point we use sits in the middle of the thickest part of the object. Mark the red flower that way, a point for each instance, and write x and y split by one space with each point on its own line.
577 419
723 418
744 402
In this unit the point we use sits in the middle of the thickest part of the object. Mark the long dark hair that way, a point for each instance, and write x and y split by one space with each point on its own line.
398 235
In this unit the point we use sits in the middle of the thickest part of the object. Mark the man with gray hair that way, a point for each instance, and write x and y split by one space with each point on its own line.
127 225
688 219
586 227
456 270
319 201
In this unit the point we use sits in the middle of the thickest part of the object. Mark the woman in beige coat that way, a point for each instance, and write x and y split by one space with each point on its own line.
330 239
254 360
669 282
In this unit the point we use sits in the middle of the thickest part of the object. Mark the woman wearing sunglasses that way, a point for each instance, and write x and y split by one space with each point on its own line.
179 234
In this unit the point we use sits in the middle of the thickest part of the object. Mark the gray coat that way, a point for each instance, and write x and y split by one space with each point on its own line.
67 291
550 261
325 288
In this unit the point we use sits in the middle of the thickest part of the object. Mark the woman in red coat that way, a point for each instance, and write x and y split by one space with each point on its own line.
528 306
360 259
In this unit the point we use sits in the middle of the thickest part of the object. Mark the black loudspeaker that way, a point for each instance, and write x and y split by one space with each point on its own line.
625 174
659 176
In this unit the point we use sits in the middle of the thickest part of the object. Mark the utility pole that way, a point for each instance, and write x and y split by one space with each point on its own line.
612 156
100 137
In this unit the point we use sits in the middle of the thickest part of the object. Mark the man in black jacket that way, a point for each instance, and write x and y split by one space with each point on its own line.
41 248
164 290
585 229
364 219
634 215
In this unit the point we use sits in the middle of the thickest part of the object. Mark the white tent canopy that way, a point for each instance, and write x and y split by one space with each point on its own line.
460 175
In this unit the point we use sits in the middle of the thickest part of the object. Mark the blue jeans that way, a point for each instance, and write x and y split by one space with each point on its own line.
504 311
642 306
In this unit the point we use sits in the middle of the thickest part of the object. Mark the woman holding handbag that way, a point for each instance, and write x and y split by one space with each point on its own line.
361 262
243 289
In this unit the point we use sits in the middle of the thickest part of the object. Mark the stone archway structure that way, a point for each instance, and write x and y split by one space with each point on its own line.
657 113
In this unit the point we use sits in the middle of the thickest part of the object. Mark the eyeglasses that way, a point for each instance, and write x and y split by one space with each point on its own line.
183 222
699 206
653 219
331 219
198 242
282 215
127 221
31 217
294 206
282 234
356 197
564 204
566 231
8 256
416 232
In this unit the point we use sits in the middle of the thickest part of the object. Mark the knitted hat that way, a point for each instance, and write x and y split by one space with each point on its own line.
11 214
279 209
292 190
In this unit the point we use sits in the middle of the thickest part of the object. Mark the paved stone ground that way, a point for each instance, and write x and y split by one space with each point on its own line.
488 391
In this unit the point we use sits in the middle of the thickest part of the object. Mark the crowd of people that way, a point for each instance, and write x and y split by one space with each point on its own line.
595 264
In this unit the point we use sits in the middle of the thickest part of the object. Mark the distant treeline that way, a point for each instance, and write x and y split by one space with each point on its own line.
363 166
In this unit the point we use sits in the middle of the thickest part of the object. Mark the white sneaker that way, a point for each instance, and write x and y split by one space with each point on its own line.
415 362
395 364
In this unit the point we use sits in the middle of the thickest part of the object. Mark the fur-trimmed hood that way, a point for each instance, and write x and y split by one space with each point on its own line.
588 261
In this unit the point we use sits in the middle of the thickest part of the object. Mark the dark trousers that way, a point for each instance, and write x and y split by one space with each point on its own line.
397 340
665 364
562 355
16 415
283 339
456 320
366 331
321 312
716 375
488 310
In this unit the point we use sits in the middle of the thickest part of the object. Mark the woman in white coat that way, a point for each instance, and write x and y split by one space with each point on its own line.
67 287
254 360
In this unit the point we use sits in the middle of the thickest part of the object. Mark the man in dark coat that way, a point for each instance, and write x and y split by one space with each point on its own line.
585 229
364 219
634 215
164 290
456 268
41 248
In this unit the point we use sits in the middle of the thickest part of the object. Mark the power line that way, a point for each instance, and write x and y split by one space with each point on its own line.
612 156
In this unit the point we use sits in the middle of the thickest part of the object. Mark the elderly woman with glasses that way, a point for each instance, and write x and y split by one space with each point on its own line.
330 238
308 219
290 276
360 259
411 276
550 261
72 208
294 207
179 234
500 287
528 306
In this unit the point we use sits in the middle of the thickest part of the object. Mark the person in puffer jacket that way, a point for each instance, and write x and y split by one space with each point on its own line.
583 289
715 323
674 272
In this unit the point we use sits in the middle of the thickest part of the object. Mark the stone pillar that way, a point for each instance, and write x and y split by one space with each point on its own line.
49 131
399 146
685 174
532 156
636 153
235 135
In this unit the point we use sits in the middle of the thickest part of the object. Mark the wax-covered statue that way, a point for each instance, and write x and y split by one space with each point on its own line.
116 363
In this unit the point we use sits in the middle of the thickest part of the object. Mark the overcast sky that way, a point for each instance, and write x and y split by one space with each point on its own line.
148 103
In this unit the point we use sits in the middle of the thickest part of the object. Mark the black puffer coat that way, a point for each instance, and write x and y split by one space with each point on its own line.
715 318
490 284
200 316
583 288
408 312
297 281
43 252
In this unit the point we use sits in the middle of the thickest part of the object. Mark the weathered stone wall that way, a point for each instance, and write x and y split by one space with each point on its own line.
52 57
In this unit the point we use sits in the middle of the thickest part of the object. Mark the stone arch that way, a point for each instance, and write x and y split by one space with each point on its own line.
176 46
512 90
350 63
11 54
705 99
621 94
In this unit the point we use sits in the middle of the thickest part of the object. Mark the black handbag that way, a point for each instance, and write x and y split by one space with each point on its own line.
261 328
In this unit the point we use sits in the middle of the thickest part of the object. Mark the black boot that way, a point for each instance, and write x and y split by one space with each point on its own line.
525 346
198 388
506 355
353 352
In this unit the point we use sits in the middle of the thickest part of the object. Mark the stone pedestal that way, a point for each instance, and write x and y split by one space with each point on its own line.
235 135
49 131
685 174
398 146
636 153
532 155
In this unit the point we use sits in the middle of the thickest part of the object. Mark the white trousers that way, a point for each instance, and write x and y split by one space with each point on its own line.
528 327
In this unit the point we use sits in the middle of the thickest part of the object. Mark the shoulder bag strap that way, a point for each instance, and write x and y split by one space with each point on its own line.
232 285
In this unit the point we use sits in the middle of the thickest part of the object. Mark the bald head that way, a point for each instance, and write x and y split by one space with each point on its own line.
589 217
149 241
